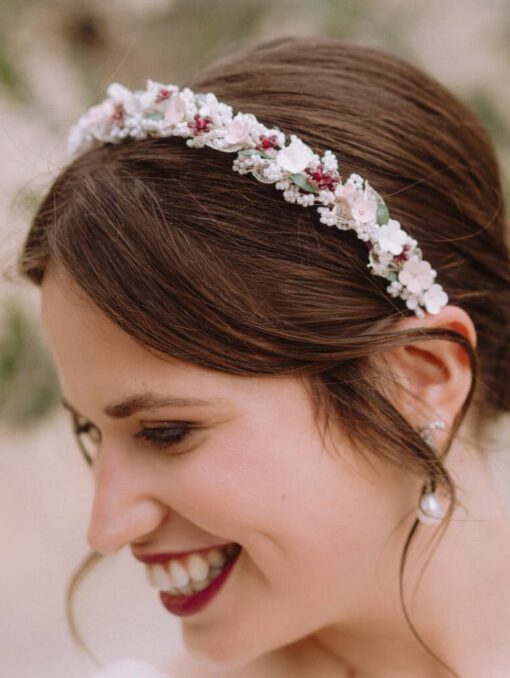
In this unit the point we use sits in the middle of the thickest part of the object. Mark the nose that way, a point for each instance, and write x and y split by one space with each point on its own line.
124 509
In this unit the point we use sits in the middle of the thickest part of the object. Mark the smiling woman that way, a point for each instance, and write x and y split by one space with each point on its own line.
280 402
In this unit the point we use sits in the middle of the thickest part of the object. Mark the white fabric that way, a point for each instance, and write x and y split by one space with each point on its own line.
130 669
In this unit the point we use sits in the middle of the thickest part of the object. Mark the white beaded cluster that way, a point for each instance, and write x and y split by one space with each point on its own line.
304 177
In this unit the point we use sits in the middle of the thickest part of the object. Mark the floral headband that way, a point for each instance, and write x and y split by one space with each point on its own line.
265 153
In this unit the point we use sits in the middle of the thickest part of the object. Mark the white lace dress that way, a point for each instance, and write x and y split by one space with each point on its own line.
130 668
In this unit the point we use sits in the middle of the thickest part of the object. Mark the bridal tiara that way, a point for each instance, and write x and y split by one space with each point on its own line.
267 154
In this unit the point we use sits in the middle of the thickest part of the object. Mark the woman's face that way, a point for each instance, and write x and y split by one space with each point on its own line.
318 526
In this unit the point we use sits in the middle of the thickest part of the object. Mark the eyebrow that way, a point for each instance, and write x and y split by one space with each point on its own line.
145 401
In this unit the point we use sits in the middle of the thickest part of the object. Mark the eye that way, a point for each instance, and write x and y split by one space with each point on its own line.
164 435
88 437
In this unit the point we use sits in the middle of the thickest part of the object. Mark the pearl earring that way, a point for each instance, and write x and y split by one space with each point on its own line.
431 510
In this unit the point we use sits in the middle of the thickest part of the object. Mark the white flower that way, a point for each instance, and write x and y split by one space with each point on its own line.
119 94
295 157
101 114
238 131
391 237
175 110
155 96
356 181
434 299
347 192
364 210
416 275
148 100
210 106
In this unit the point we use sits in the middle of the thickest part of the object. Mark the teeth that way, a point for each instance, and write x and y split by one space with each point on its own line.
185 590
216 558
194 573
180 577
198 568
200 585
159 577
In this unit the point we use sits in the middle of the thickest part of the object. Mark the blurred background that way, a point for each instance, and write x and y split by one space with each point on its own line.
56 57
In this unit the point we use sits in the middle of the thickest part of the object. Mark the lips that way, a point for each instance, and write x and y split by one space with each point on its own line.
189 580
186 605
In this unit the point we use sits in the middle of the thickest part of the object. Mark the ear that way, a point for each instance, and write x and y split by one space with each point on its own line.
436 374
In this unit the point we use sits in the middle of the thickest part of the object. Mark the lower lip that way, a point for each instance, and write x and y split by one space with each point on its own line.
183 606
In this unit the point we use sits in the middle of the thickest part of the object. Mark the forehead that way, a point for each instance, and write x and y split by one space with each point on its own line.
98 363
92 354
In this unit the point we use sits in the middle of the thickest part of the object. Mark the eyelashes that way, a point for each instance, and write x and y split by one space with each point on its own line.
88 437
160 437
164 436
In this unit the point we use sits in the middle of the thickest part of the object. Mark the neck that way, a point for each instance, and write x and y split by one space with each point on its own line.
456 587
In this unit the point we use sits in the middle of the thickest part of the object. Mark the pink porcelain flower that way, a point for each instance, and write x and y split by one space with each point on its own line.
175 110
434 299
237 131
392 238
346 192
295 157
416 275
364 211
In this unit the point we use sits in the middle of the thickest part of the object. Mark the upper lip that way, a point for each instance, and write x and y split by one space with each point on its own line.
153 558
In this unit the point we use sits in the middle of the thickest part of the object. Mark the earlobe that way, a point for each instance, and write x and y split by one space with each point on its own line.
436 374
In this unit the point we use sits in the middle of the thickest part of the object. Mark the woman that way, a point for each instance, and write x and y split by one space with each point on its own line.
286 420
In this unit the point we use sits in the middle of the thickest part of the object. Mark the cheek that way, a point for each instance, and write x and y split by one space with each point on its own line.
308 522
243 479
277 492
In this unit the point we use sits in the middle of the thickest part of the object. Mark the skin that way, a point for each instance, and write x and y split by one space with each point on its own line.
315 591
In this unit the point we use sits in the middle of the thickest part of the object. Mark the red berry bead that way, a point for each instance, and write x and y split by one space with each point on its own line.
163 94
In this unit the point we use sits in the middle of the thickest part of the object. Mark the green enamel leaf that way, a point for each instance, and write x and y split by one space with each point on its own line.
392 276
154 115
252 151
383 214
300 181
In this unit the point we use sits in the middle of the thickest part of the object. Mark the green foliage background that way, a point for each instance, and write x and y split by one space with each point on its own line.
28 388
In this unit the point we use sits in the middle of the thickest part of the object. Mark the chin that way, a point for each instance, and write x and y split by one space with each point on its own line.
220 651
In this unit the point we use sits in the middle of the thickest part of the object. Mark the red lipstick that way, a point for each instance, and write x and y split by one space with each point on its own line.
183 606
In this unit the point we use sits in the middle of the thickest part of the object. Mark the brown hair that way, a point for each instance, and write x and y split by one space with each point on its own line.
215 268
